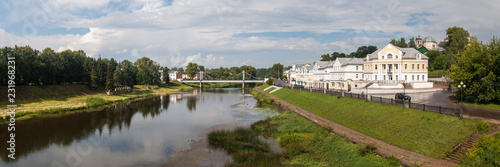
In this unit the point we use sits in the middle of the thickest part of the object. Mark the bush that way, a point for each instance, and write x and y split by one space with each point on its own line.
270 81
485 153
483 126
366 150
287 139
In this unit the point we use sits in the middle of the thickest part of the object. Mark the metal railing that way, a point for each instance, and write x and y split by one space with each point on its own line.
389 101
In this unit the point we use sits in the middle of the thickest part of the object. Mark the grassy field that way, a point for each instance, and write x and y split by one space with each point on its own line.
423 132
44 99
305 144
490 106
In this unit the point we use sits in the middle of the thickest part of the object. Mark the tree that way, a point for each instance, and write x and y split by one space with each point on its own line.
325 57
412 43
147 71
477 67
456 40
277 71
165 74
110 80
192 69
399 43
201 68
250 71
363 51
335 55
436 60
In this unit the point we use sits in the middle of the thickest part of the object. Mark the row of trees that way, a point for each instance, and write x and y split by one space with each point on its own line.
361 52
50 68
193 69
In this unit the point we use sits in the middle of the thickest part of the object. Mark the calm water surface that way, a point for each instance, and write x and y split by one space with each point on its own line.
143 133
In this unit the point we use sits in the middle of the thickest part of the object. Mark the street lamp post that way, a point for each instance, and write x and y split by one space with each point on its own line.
366 89
404 92
461 86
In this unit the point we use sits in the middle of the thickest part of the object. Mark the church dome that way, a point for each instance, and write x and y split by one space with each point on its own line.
429 39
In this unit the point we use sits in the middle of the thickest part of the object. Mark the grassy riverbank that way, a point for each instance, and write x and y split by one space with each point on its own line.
305 144
55 99
423 132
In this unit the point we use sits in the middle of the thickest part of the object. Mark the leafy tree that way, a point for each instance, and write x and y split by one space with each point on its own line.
456 40
250 71
335 55
399 43
201 68
433 55
363 51
325 57
192 69
147 71
165 74
412 43
277 71
477 67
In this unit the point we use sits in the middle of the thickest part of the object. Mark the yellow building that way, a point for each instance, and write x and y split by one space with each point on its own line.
393 64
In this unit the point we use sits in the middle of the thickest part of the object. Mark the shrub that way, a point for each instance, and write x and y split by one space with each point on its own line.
289 139
270 81
366 150
483 126
394 161
485 153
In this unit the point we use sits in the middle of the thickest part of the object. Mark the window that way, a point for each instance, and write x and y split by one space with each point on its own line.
423 78
406 66
356 67
384 77
382 57
396 56
395 65
356 75
375 77
418 77
406 78
396 77
418 66
389 56
383 65
423 66
412 77
412 66
376 66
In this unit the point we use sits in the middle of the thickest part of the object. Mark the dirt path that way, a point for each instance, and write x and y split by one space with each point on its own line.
406 157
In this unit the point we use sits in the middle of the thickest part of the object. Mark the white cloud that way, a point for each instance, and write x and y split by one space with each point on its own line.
135 53
172 33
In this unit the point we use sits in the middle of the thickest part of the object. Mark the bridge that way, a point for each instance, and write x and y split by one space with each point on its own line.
243 81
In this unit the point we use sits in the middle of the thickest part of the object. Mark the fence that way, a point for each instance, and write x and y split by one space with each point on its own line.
404 104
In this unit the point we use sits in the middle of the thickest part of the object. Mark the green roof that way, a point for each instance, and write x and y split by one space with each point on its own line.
423 49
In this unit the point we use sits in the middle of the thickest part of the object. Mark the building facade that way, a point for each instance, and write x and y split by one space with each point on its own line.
428 42
393 64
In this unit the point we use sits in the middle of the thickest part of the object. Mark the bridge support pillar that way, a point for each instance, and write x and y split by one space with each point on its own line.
243 83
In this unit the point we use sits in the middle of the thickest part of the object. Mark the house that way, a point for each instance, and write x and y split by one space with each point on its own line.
347 73
393 64
302 74
174 75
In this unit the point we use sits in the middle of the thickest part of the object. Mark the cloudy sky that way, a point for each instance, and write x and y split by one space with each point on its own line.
229 33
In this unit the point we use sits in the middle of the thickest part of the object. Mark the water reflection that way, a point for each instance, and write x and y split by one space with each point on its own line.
139 133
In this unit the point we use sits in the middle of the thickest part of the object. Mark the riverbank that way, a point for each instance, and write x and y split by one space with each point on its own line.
392 129
52 100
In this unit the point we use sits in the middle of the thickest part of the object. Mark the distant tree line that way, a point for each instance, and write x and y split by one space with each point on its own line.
70 67
361 52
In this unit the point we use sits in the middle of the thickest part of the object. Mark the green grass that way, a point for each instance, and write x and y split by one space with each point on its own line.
423 132
437 73
262 99
485 153
490 105
308 145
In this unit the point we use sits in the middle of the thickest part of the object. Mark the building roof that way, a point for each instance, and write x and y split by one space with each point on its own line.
429 39
323 64
408 53
423 49
350 61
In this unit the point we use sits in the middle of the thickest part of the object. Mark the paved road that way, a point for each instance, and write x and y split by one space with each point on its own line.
441 98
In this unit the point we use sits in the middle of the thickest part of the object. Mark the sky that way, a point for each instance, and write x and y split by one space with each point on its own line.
229 33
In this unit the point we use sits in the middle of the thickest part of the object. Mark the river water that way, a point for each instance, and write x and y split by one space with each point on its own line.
143 133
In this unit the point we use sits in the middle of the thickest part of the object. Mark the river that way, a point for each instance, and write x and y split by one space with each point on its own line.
142 133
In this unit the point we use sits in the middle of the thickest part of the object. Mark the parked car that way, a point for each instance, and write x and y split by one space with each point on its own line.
402 96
